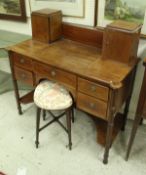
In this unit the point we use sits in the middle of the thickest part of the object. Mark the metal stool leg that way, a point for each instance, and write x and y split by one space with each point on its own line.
68 119
72 114
44 114
37 126
72 108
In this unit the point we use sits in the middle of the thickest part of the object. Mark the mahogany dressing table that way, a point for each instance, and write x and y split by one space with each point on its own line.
97 67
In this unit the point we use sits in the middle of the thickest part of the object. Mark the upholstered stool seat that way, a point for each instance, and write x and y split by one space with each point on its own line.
49 96
52 96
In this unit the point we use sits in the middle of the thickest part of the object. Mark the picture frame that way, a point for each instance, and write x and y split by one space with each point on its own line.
109 10
70 8
17 13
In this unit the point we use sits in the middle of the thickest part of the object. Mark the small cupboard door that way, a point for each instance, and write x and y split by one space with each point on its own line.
117 45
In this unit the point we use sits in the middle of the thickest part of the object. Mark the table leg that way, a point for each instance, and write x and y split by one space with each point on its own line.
108 139
110 126
17 96
133 133
15 84
126 109
138 115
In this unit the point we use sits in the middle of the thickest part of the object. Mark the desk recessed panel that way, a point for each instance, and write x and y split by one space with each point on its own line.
70 89
52 73
92 105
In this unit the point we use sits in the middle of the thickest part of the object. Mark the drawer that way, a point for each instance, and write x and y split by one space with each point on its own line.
92 105
93 89
24 75
51 73
22 61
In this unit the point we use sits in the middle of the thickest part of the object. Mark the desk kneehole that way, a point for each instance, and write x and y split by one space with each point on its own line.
39 77
55 74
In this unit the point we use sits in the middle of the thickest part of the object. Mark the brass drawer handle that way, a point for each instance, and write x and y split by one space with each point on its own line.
22 60
53 73
92 105
93 88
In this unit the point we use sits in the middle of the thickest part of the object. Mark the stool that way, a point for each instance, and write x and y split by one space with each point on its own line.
50 96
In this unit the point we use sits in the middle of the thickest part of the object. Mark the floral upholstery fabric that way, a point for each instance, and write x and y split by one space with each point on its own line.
52 96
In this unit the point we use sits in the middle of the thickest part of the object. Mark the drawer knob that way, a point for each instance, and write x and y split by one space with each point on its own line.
23 76
93 88
53 73
92 105
22 60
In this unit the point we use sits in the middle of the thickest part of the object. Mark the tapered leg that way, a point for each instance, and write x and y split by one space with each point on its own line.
15 85
108 141
37 126
138 115
68 119
17 96
133 133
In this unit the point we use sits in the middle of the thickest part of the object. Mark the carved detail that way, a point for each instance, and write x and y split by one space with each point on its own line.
116 85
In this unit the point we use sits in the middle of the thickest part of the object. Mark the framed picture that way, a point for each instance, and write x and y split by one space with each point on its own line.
129 10
71 8
13 10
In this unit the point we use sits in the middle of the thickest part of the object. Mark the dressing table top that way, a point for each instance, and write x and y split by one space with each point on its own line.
76 58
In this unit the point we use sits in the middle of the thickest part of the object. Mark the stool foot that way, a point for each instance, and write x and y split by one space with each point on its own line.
20 112
105 161
70 146
37 144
